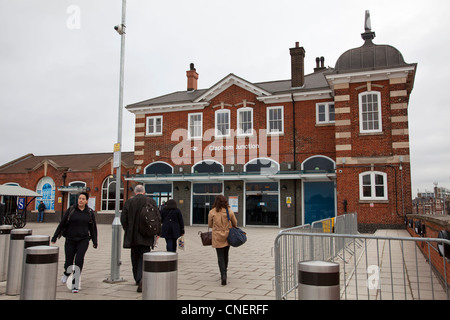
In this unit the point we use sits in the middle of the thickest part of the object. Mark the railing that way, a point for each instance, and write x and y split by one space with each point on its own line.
371 267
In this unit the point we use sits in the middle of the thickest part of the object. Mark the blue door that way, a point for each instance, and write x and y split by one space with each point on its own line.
319 201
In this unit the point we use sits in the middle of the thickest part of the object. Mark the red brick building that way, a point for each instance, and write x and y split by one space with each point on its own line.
285 153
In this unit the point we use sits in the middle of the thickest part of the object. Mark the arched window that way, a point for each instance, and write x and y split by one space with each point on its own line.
373 185
46 188
262 166
207 166
109 194
318 164
160 192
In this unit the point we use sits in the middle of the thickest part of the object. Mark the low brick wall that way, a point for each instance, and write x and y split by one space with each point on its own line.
430 225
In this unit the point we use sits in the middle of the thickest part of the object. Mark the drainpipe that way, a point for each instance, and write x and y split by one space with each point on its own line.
295 156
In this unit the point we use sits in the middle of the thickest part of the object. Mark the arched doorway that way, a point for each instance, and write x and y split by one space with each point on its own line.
319 192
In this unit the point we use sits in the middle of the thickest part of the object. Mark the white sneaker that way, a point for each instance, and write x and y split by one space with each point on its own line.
64 278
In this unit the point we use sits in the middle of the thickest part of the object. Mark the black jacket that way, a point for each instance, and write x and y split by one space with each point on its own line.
172 223
130 222
77 225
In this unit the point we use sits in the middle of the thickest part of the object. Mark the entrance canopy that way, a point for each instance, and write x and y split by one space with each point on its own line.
6 190
226 176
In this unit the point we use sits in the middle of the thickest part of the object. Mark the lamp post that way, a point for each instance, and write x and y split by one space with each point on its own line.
116 226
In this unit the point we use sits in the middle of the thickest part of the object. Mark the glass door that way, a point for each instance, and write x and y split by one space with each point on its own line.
204 195
262 204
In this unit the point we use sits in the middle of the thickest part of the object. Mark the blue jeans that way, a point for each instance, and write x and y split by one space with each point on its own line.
40 216
171 244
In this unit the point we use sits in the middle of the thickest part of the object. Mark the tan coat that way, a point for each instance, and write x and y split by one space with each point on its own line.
220 226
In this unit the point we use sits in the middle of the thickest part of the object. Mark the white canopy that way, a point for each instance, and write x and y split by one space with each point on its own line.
17 191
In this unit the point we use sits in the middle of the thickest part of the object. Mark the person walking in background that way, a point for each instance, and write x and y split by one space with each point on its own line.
78 226
41 209
133 239
220 225
172 225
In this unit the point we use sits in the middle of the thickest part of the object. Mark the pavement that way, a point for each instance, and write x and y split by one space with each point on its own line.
251 268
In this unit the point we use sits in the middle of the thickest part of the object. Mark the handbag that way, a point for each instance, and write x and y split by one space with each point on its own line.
206 237
236 236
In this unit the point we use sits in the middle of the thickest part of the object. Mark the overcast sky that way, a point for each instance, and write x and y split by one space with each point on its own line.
59 63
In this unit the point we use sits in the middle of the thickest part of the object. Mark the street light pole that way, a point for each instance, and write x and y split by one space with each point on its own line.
116 226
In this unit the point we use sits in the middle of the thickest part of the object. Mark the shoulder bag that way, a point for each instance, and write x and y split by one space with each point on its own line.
236 236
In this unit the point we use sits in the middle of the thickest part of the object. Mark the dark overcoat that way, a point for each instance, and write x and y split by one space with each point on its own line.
130 222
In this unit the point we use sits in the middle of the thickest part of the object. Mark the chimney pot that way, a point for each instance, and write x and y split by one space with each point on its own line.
192 77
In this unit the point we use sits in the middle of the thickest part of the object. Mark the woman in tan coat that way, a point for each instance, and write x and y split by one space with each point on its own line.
220 225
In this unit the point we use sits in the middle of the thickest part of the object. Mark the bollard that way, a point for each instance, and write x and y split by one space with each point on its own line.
5 231
15 263
40 273
32 241
318 280
160 273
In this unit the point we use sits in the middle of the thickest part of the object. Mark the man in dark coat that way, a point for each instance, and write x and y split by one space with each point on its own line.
132 237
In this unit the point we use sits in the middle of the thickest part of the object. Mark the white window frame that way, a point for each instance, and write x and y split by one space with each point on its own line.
361 124
327 112
239 128
147 126
190 123
373 186
218 133
268 120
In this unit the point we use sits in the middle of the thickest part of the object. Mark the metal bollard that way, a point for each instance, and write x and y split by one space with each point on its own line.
5 231
40 273
160 273
318 280
15 263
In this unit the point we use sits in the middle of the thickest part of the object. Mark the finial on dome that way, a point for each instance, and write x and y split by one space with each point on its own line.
368 35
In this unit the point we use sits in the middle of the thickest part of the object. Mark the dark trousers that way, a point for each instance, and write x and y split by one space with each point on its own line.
222 259
171 244
75 251
137 261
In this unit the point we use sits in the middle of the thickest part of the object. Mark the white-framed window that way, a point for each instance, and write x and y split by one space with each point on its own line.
370 112
325 112
373 185
275 120
223 123
195 123
154 125
245 122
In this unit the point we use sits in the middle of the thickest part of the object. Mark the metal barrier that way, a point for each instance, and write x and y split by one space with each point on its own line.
372 267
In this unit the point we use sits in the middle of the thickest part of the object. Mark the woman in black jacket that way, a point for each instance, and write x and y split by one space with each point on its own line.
78 226
172 225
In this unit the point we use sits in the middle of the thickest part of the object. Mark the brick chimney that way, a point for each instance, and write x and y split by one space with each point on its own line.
192 77
297 66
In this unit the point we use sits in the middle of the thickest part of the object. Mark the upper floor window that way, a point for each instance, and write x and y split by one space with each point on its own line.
223 123
195 125
275 120
370 112
154 125
245 121
325 113
373 185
